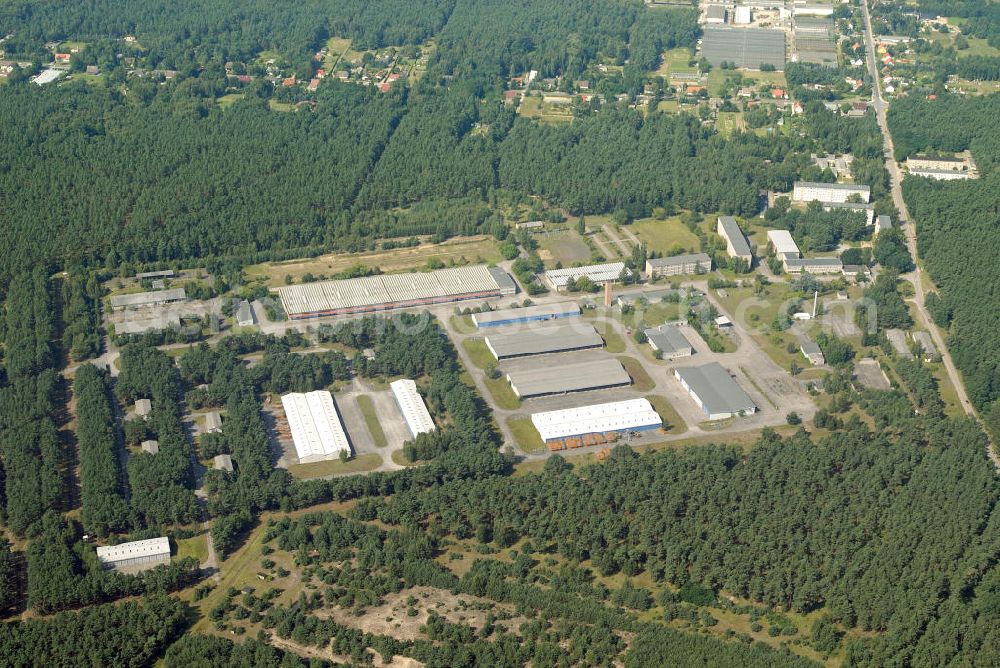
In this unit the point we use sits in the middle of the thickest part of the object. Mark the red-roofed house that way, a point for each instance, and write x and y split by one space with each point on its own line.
511 95
62 57
778 93
320 73
393 77
694 90
313 85
385 88
290 81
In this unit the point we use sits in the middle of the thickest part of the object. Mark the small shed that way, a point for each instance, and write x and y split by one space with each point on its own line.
143 407
223 463
244 314
151 447
213 422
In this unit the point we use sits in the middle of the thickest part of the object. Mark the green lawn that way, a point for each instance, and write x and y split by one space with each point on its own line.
195 546
640 379
671 418
564 246
359 464
668 106
274 105
613 343
371 420
665 236
478 352
229 100
675 61
527 437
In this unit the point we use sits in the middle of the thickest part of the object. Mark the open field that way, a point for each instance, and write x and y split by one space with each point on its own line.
675 61
533 106
196 547
367 407
730 122
335 48
274 105
717 79
668 106
525 434
359 464
665 236
228 100
564 246
474 249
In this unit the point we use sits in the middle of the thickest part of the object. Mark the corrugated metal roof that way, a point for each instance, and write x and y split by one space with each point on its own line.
669 339
573 377
616 416
371 292
540 312
315 425
598 273
541 340
151 547
411 404
716 389
144 298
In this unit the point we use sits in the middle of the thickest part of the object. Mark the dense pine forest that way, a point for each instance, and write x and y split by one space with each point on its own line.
869 537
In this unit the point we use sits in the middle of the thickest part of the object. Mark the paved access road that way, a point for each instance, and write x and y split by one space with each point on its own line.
916 276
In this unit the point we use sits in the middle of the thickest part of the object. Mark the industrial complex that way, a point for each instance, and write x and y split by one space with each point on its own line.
608 420
315 424
715 391
541 340
527 314
412 406
390 291
592 374
139 555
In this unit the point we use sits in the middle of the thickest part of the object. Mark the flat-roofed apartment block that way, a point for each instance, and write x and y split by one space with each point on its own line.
669 341
807 191
608 272
715 391
139 299
513 316
814 265
317 431
606 419
542 340
582 376
860 207
693 263
389 291
139 555
736 242
935 167
412 406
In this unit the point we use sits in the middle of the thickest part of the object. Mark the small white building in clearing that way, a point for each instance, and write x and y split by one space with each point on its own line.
619 416
412 406
143 407
139 555
317 430
150 447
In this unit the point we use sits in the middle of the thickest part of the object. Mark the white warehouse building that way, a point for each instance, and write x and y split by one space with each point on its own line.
619 416
139 555
412 406
608 272
315 424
